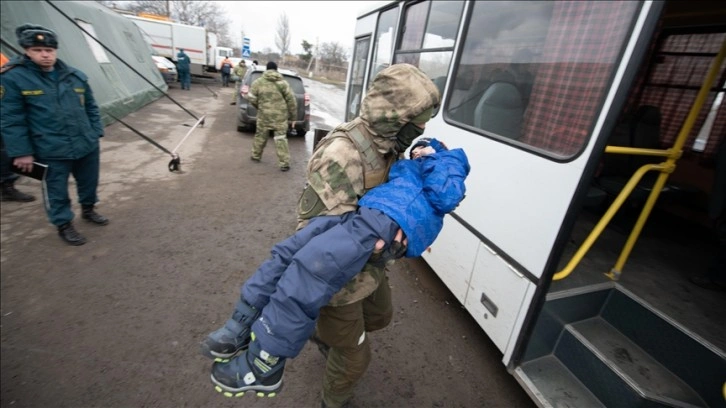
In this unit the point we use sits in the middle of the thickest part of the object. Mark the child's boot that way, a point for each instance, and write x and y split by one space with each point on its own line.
223 343
253 370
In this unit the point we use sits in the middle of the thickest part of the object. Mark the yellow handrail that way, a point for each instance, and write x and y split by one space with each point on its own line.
672 155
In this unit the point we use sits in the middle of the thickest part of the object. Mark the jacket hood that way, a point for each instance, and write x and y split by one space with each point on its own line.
272 75
397 94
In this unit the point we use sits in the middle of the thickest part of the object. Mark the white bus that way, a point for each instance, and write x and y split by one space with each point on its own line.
593 130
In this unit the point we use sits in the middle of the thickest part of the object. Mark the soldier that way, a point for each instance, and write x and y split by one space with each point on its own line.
49 115
275 102
352 159
305 270
239 72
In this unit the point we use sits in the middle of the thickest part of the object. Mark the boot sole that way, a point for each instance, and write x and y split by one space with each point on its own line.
259 389
221 357
90 221
74 243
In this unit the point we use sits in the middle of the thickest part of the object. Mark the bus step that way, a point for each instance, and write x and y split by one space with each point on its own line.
617 370
623 352
554 385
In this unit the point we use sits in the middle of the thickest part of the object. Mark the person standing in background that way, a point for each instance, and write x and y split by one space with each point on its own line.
275 102
7 176
49 114
239 71
225 68
183 66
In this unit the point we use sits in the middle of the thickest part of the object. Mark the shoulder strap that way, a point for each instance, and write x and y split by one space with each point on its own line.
278 85
375 166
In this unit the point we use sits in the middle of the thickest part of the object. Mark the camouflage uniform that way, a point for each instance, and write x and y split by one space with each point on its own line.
276 105
239 71
352 159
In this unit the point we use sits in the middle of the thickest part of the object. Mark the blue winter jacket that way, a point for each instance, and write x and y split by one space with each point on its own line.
420 192
46 118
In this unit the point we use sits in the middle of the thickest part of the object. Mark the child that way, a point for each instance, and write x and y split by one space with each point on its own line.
280 303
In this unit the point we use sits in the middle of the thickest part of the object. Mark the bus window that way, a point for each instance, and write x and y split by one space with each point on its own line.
428 37
536 73
355 90
383 43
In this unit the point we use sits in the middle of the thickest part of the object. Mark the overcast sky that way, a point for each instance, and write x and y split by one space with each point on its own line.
327 21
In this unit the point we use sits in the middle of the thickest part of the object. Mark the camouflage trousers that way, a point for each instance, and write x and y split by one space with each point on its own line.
236 90
344 329
281 147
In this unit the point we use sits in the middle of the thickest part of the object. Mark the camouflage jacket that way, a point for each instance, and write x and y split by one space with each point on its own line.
355 157
240 70
274 100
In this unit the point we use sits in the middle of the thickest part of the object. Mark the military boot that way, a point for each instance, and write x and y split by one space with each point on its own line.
10 193
253 370
70 235
225 342
89 214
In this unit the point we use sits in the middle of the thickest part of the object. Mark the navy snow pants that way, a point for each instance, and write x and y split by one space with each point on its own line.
306 270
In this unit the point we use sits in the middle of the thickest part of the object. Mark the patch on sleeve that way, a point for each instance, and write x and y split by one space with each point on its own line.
2 91
32 92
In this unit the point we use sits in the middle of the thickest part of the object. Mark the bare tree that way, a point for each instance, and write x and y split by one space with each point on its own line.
206 14
158 7
333 53
282 38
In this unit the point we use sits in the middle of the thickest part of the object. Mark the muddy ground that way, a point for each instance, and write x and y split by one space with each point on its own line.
117 322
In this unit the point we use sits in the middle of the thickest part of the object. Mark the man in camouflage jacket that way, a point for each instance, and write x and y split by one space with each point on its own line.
276 107
239 71
352 159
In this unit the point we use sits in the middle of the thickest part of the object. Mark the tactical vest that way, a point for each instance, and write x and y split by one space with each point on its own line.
375 167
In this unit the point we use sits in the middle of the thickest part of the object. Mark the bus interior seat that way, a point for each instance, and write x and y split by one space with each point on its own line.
500 110
642 130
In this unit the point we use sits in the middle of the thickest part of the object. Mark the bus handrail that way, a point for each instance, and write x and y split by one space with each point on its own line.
608 216
638 151
665 168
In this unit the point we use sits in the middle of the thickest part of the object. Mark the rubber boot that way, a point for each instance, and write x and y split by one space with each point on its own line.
253 370
92 216
232 338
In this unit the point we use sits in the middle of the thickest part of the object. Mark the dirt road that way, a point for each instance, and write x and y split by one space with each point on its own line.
117 322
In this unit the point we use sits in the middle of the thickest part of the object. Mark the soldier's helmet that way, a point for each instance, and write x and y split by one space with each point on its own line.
398 94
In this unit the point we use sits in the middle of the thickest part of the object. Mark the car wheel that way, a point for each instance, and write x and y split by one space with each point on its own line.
240 128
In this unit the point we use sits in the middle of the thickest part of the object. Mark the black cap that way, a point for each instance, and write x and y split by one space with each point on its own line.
272 65
31 35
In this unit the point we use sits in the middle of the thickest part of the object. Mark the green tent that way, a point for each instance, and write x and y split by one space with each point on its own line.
117 88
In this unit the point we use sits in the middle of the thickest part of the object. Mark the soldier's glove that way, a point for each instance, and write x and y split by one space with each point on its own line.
387 256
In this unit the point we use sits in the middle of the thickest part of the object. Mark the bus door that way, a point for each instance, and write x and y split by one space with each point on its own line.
530 95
